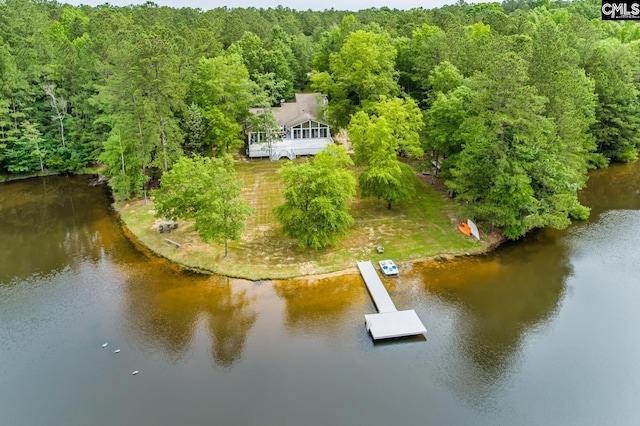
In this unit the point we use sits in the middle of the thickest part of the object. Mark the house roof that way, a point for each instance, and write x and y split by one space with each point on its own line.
305 107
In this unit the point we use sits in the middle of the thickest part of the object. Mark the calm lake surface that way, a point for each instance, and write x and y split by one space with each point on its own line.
540 332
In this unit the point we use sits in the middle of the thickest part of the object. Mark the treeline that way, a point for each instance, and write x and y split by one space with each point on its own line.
130 86
510 102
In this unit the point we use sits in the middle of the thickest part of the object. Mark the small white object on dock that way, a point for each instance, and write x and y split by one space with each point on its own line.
135 372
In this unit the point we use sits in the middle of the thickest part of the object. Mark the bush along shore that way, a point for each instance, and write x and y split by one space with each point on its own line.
421 228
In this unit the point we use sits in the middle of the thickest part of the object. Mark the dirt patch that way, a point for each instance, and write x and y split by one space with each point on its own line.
435 182
342 138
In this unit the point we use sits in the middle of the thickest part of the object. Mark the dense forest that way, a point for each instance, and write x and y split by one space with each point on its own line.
510 102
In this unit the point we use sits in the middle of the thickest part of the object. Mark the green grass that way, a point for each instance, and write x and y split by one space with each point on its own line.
420 228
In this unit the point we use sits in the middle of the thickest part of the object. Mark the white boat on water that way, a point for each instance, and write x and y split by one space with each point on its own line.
388 268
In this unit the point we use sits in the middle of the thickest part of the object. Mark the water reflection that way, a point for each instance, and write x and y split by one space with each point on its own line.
521 336
51 225
498 301
614 188
58 224
317 305
163 311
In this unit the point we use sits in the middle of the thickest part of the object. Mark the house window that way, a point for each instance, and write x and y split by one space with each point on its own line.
256 137
260 137
309 130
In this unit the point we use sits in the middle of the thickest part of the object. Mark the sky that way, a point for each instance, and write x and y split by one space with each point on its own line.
352 5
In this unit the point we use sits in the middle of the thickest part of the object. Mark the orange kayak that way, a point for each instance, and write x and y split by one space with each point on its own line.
464 228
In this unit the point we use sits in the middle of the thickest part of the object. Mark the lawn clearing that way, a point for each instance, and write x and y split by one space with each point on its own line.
420 228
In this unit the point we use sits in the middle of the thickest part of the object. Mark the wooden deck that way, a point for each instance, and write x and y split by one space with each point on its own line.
388 323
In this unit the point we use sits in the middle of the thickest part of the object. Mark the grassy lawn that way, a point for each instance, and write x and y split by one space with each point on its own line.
420 228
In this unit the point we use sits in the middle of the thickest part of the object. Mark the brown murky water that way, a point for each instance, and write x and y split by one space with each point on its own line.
540 332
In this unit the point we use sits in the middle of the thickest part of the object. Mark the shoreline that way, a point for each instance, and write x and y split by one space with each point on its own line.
418 229
142 243
265 253
139 244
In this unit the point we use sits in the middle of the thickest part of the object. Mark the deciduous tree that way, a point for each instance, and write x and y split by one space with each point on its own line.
617 126
398 121
26 153
362 71
386 178
205 190
513 169
378 139
222 89
316 192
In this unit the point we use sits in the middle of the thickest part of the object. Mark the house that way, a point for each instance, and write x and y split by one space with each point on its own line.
301 132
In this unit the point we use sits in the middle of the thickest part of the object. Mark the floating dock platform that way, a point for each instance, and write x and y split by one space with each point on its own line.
388 323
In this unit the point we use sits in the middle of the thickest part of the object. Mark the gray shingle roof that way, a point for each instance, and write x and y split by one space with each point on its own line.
305 107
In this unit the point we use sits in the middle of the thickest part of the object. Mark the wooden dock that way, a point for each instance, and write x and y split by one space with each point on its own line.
388 322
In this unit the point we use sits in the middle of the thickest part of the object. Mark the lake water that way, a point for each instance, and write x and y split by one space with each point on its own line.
540 332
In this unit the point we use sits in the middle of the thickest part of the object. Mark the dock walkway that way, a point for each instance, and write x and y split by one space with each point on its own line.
378 292
388 322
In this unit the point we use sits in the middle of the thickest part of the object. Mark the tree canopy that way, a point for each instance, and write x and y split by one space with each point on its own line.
511 102
205 190
393 127
315 211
